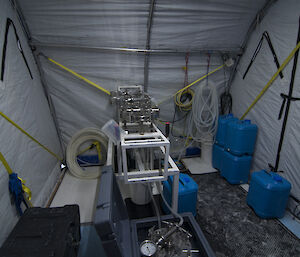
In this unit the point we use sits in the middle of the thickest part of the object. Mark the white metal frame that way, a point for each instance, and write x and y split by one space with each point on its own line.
147 140
154 139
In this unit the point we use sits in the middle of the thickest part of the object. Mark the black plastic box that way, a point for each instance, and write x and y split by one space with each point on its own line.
42 232
120 236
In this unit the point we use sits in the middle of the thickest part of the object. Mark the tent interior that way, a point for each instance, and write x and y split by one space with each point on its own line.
190 67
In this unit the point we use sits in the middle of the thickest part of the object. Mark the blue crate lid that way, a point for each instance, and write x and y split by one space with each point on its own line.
186 184
271 181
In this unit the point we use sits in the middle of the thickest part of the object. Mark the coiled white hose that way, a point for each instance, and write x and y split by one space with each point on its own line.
85 135
203 119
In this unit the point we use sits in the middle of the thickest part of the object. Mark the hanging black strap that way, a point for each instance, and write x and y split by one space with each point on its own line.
288 99
267 37
8 23
284 98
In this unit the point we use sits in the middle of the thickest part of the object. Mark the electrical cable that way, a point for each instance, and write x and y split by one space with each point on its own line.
184 99
84 135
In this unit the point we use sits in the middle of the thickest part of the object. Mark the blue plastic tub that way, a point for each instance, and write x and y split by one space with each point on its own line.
240 137
221 131
235 169
187 194
268 194
217 156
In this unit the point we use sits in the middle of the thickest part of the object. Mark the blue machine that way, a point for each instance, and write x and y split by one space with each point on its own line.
187 194
240 137
268 194
217 156
235 168
221 132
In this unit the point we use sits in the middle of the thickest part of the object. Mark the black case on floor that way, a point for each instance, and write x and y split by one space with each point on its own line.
42 232
120 236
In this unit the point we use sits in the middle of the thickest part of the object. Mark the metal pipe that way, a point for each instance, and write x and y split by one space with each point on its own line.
235 51
57 185
147 55
50 103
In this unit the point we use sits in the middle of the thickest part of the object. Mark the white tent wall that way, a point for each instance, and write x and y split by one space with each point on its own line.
79 105
23 100
282 24
71 31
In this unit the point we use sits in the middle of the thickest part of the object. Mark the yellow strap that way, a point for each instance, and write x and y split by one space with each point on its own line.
31 137
5 164
193 83
26 190
198 80
286 61
79 76
98 148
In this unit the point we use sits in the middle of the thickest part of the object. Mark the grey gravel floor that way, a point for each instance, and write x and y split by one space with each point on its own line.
232 228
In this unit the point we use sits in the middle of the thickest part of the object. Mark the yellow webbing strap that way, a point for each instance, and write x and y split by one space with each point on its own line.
98 148
286 61
198 80
31 137
193 83
5 164
79 76
26 190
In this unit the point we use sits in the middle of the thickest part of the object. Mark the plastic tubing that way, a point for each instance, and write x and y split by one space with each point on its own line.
84 135
155 206
176 214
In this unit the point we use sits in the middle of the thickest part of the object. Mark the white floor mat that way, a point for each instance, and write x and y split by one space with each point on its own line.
195 166
77 191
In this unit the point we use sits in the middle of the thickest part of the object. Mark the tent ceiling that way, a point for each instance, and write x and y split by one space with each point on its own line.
183 25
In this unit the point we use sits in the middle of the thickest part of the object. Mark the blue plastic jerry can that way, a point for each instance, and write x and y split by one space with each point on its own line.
240 137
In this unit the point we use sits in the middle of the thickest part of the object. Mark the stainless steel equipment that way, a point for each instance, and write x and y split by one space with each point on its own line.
143 151
134 106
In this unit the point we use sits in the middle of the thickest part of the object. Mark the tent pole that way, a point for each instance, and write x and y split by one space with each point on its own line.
15 6
233 51
51 105
289 99
147 55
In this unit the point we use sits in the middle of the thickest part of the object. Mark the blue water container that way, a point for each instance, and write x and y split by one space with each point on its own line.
235 169
240 137
217 156
221 131
268 194
187 194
